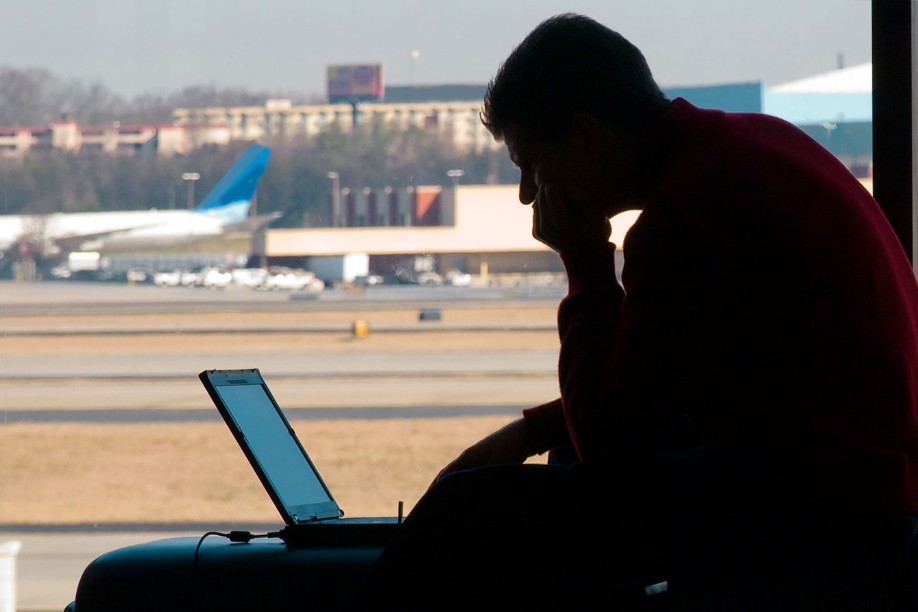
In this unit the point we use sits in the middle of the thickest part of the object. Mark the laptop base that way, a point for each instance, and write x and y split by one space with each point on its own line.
364 531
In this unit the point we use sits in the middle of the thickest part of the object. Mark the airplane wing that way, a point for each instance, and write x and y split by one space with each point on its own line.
76 242
253 223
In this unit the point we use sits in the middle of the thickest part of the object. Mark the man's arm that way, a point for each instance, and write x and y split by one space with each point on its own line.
589 322
512 443
590 316
582 238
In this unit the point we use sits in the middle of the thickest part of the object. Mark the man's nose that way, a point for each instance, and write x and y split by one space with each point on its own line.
528 191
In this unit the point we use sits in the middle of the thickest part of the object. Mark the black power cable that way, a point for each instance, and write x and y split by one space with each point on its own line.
240 537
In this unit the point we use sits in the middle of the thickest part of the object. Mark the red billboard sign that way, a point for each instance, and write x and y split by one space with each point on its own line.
355 82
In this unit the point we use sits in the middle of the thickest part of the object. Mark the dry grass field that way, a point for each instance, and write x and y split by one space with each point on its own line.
175 472
195 472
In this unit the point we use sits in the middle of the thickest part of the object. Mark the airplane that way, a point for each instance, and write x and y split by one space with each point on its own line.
223 211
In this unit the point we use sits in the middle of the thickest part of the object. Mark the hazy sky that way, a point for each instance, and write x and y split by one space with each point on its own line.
135 46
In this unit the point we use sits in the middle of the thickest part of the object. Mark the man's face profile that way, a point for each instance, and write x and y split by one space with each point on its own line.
540 163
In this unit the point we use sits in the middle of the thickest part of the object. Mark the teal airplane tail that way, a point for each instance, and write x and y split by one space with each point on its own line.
231 198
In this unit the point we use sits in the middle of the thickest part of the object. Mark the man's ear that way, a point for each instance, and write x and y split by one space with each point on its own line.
587 132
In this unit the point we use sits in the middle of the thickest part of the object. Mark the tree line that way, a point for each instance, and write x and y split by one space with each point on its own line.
35 96
295 183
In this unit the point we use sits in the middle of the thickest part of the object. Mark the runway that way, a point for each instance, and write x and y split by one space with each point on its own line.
108 353
131 347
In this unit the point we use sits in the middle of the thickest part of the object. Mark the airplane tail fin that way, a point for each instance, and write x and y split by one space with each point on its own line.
231 198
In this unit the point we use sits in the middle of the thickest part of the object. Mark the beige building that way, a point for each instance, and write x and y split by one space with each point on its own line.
455 121
68 135
479 229
483 229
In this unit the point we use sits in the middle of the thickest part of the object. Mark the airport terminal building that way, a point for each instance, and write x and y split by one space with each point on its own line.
478 229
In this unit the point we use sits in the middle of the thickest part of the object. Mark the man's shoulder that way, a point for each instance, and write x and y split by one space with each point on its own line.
716 128
710 144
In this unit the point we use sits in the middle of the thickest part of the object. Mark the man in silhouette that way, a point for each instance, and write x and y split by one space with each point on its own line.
742 411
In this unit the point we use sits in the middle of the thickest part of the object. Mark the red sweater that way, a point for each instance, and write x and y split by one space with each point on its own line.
768 307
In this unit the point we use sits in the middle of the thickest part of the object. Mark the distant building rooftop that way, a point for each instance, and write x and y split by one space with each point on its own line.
434 93
733 97
854 79
745 97
838 96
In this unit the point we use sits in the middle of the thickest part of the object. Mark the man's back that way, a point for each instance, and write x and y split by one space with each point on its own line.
767 286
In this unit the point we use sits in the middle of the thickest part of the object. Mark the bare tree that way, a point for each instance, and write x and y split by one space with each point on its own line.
23 96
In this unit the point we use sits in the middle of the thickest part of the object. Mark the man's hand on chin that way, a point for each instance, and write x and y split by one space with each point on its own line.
564 225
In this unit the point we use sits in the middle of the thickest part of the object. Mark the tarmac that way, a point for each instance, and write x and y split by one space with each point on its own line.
48 565
50 560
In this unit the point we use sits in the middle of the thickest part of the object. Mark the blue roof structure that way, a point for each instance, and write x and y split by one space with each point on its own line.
733 97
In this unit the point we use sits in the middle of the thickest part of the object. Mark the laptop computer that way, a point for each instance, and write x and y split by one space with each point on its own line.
307 506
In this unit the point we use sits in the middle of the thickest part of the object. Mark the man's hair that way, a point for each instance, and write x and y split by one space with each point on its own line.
570 63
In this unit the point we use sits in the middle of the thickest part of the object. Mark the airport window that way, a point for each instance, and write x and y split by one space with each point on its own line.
104 425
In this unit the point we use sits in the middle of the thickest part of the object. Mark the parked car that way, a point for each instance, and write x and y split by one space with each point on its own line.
290 280
429 278
180 277
368 280
138 276
172 278
249 277
212 277
458 279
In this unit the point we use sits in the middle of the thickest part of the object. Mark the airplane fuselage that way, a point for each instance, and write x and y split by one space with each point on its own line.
224 210
106 231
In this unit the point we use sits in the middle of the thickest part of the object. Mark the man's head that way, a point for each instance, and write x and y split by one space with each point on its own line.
569 102
570 64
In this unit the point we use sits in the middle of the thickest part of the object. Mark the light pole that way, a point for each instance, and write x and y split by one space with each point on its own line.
455 174
449 210
190 178
336 197
413 56
829 127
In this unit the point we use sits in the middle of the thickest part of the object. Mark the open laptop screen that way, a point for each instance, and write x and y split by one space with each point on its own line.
270 445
